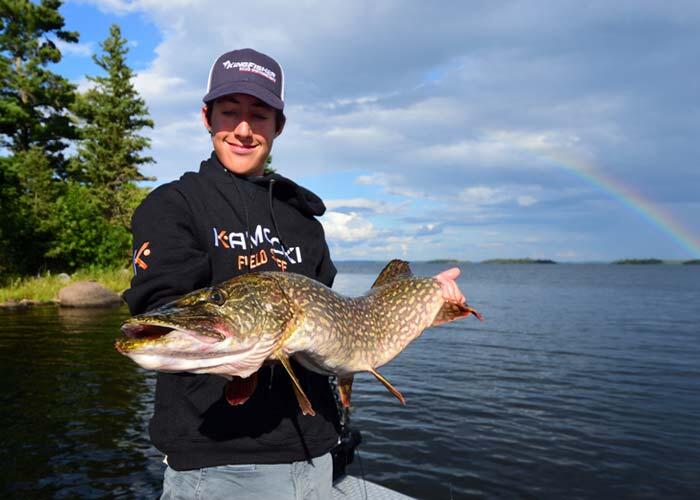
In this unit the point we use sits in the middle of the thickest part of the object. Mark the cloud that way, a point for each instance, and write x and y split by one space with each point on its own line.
364 137
117 6
567 254
365 206
84 84
478 196
465 116
347 228
526 200
159 89
393 184
128 6
368 180
75 49
482 195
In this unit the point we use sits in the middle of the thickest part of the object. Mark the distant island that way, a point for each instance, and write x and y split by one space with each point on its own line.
645 262
444 261
518 261
527 260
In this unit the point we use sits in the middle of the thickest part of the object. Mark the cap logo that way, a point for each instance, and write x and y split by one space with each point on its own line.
251 67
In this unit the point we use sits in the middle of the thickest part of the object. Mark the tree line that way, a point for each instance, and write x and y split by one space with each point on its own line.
69 161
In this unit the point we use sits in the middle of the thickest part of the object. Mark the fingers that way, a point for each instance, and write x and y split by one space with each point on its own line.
450 290
450 274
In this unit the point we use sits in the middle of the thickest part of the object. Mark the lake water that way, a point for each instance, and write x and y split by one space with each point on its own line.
582 382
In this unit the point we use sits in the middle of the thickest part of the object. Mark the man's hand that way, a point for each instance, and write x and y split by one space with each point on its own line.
450 290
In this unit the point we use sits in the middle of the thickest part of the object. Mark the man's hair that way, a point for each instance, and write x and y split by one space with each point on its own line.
279 115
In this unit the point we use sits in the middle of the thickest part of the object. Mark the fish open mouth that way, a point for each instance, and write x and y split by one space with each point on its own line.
134 332
142 331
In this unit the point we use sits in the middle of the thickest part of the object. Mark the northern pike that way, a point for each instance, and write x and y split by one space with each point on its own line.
233 328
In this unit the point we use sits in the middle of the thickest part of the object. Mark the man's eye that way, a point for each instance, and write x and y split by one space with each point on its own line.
260 117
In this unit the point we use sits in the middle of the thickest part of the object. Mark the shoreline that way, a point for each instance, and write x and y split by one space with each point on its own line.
43 290
26 303
13 304
30 291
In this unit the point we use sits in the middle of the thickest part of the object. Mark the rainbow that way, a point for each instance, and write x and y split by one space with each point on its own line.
653 213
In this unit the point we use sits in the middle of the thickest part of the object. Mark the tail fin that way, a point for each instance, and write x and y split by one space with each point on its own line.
451 311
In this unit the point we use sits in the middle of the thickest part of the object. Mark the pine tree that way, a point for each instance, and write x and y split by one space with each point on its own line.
93 214
110 150
34 100
269 169
35 128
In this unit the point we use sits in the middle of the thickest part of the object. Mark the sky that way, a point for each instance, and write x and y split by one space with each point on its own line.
470 130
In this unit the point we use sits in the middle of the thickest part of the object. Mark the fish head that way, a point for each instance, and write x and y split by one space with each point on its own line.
227 329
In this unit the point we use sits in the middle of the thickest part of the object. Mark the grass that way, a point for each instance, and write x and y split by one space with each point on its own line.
45 288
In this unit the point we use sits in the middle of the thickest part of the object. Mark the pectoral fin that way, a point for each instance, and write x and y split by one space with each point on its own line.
304 402
239 390
386 383
345 389
451 311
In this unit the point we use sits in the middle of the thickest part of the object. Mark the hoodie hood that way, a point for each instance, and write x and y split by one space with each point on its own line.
285 189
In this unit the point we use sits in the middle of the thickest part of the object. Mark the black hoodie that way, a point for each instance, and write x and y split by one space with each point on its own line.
203 229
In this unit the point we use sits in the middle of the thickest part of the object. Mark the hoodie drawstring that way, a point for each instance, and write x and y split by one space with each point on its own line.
270 187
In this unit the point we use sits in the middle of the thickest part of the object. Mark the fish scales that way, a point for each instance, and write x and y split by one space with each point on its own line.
367 331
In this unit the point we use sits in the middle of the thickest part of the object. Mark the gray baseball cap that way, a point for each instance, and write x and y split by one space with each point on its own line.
247 71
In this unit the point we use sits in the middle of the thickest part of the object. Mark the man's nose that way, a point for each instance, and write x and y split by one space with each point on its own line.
243 129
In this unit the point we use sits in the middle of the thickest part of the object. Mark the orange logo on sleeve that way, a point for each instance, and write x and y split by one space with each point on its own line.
143 251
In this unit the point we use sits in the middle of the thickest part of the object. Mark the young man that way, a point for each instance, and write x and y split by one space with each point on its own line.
210 226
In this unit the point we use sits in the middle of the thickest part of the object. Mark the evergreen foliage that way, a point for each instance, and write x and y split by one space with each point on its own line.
95 210
27 204
58 213
34 101
110 149
35 128
269 169
113 114
82 236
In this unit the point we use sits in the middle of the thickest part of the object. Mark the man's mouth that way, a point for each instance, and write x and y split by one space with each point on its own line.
241 148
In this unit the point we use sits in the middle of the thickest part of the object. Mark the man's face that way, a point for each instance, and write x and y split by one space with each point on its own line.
243 128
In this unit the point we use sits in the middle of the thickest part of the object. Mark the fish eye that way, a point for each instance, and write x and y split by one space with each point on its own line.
217 297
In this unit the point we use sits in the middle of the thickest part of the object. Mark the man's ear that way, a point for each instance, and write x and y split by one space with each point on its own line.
205 118
281 120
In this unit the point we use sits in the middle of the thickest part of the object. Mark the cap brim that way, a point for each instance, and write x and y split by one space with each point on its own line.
245 88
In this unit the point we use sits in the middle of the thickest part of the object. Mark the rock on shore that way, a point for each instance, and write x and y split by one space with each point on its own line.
87 294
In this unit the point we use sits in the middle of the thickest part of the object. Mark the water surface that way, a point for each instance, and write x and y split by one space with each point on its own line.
583 381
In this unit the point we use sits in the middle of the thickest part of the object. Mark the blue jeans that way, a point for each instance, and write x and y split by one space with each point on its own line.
295 481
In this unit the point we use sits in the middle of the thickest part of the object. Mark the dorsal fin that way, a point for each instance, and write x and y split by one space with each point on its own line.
394 270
